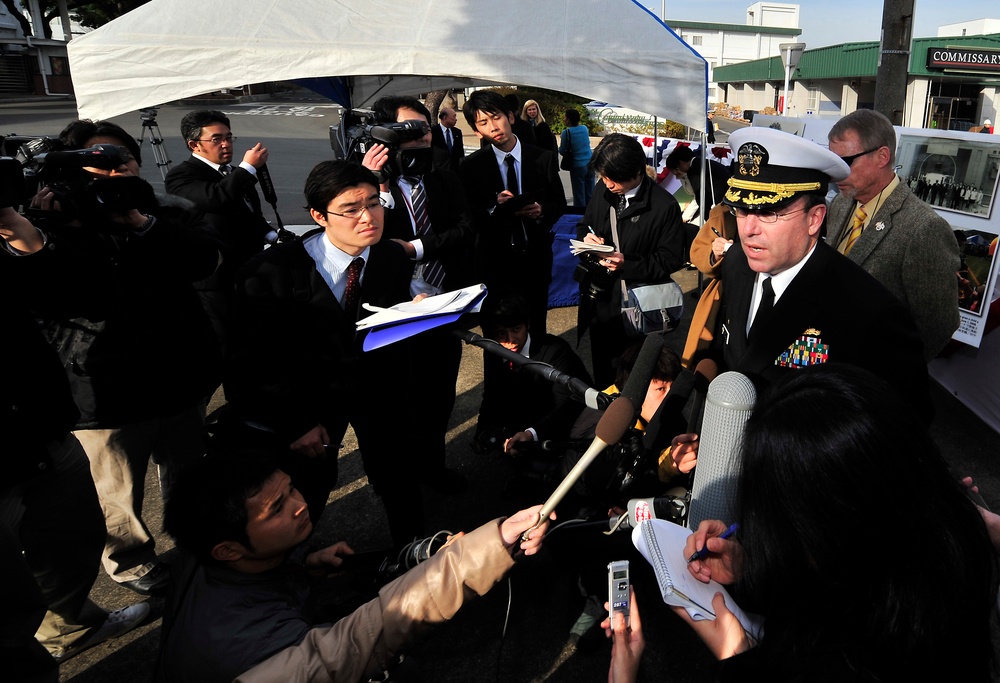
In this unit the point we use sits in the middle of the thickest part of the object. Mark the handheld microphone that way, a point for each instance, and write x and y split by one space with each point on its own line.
731 400
669 507
619 416
271 197
267 185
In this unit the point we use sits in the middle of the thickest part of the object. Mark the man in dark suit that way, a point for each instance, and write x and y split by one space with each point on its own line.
428 216
514 247
446 140
298 375
790 300
226 195
520 406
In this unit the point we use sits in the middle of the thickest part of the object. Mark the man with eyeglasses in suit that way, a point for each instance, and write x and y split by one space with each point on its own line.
298 375
790 300
226 195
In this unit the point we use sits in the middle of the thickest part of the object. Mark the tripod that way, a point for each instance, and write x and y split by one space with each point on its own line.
151 132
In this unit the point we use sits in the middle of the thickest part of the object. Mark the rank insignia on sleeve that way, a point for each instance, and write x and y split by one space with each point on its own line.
807 350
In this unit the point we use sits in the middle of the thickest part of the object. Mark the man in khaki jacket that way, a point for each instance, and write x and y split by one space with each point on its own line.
241 610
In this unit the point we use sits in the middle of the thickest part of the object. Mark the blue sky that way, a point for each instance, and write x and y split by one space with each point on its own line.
824 22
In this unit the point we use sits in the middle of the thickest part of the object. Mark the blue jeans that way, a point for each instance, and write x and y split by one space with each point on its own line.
581 179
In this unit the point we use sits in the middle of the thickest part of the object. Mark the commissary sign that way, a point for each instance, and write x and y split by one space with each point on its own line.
963 59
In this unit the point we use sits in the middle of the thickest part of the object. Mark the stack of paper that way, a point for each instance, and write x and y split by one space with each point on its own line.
576 247
388 325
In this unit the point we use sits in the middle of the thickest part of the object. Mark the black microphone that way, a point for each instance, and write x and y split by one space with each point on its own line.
619 416
731 400
271 197
267 185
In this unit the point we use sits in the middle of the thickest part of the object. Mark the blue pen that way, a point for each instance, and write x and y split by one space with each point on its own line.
700 555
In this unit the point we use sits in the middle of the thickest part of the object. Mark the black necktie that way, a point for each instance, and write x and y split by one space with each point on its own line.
519 235
225 170
512 185
621 206
352 293
766 304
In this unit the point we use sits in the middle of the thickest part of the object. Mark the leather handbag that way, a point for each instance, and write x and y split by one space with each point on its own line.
648 308
567 159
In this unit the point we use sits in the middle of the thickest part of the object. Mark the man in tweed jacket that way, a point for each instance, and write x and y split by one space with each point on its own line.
896 237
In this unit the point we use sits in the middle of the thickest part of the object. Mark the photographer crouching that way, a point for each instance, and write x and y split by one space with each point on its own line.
132 337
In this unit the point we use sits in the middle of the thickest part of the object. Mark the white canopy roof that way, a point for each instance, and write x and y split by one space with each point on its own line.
611 50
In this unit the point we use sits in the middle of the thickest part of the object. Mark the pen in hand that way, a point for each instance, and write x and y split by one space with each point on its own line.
700 555
717 233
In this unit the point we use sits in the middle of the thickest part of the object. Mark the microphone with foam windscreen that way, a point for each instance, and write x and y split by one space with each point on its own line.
706 371
619 416
731 400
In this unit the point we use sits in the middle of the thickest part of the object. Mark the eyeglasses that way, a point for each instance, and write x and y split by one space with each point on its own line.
218 139
762 216
354 213
850 160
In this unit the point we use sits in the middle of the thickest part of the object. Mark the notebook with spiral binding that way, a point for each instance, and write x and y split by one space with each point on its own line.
662 544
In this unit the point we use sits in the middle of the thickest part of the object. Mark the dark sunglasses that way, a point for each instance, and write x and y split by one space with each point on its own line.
850 160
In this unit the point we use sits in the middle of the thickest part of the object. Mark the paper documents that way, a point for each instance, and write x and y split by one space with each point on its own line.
388 325
662 544
576 247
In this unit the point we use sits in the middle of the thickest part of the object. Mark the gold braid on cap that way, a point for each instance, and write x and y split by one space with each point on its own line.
780 191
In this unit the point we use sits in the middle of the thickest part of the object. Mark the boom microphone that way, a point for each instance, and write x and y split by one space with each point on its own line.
731 400
619 416
706 371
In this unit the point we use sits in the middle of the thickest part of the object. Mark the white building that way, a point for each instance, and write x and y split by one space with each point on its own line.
767 25
976 27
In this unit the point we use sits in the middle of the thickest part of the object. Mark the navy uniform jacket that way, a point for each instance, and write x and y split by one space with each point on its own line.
847 314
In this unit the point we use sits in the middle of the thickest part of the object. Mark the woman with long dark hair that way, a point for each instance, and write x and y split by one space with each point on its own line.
863 554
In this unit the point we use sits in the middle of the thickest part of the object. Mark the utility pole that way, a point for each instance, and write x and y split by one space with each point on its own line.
894 59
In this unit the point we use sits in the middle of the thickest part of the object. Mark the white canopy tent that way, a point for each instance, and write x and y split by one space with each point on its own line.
611 50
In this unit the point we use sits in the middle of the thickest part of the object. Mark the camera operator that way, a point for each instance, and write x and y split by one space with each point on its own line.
427 214
51 525
133 339
652 236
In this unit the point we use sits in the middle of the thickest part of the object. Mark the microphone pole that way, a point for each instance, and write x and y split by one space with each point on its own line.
578 389
619 416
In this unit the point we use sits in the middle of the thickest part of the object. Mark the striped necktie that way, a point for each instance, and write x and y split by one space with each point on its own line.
856 229
433 273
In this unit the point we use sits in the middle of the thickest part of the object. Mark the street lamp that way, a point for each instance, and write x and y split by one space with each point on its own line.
790 53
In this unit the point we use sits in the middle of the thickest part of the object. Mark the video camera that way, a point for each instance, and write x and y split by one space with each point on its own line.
360 129
30 163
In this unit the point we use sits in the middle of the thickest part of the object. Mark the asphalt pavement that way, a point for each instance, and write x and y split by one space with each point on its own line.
540 602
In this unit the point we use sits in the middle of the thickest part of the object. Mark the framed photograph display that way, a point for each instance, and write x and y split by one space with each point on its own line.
956 174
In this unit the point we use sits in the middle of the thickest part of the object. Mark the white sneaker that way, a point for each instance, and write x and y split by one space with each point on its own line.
117 624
